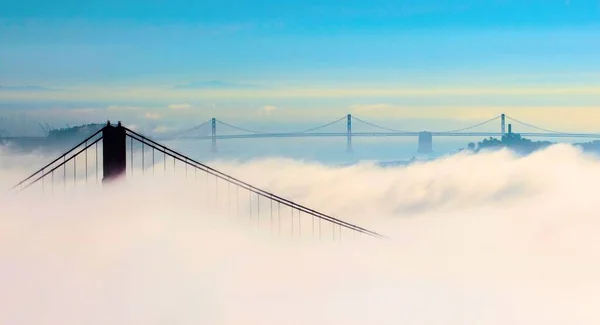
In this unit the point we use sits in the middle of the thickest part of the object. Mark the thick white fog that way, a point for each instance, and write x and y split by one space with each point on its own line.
480 239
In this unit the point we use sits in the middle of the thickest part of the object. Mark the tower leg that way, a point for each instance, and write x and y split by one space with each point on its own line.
114 152
349 134
214 135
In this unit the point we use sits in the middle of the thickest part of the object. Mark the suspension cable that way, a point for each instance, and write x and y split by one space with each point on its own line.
321 126
190 130
57 159
473 126
245 185
534 127
295 132
64 163
376 126
239 128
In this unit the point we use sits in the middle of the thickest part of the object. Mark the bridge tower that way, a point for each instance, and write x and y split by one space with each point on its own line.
349 133
114 152
214 135
502 124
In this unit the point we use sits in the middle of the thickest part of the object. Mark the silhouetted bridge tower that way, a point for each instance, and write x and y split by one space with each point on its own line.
116 152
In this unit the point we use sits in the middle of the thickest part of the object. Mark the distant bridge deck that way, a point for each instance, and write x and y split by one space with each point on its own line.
208 131
375 134
344 135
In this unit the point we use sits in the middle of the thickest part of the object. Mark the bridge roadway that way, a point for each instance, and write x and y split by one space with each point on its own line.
344 134
376 134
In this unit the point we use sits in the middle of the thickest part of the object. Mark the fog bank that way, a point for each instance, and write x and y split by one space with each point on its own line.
481 239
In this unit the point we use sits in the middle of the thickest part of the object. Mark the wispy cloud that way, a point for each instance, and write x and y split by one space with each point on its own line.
152 116
26 88
161 129
180 107
124 108
215 84
84 111
267 110
191 95
371 109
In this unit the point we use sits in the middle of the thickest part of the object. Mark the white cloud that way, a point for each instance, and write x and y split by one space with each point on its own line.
373 109
508 238
178 107
84 111
387 110
267 110
124 108
152 116
161 129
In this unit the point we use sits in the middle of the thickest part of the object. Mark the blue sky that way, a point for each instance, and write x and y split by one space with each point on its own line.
308 59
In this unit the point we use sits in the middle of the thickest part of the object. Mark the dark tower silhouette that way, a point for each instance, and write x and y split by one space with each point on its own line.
503 124
114 153
214 135
349 133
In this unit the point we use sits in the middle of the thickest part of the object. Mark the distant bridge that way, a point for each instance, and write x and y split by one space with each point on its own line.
208 131
377 134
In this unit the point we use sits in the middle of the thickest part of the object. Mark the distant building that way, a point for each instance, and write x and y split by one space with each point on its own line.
425 142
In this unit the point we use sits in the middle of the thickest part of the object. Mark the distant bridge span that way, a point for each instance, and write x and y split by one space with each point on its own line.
208 131
425 137
376 134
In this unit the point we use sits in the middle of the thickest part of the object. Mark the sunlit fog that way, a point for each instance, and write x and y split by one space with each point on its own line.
472 239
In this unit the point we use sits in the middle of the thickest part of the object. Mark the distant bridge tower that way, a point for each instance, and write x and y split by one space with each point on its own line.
214 135
425 142
349 133
503 124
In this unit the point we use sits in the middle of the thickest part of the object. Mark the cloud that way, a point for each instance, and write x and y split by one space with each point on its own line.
267 110
83 111
152 116
26 89
484 239
453 114
178 107
124 108
544 105
372 109
387 110
516 94
161 129
214 85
